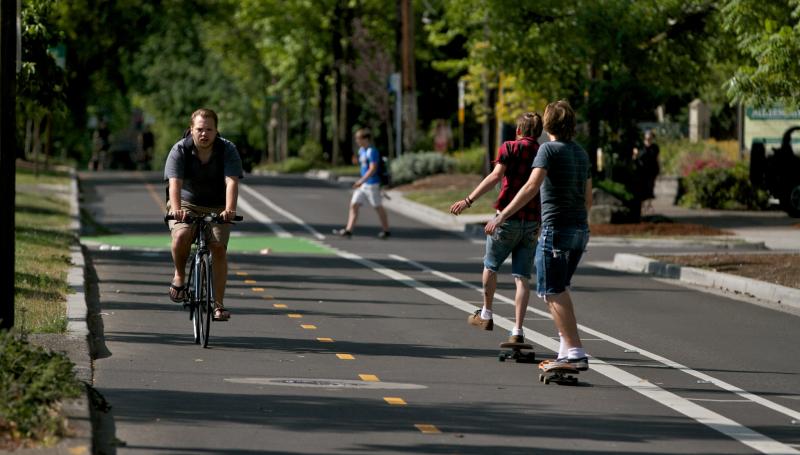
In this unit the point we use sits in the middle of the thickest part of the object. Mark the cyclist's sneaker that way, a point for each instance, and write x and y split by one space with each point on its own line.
580 364
476 320
384 235
342 233
516 339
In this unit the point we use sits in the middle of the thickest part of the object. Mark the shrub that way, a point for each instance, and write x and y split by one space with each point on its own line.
296 165
412 166
32 383
615 189
470 161
311 151
717 186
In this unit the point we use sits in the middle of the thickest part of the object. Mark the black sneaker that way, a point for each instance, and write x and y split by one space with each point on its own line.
342 233
384 235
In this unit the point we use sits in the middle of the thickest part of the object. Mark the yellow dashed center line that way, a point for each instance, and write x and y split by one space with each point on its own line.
308 326
369 377
396 401
426 428
249 281
325 340
280 305
295 315
345 356
258 289
241 273
267 297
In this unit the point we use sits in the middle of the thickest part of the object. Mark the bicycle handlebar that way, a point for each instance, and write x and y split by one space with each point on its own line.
210 218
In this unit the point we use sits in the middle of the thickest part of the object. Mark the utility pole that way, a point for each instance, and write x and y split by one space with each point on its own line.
8 155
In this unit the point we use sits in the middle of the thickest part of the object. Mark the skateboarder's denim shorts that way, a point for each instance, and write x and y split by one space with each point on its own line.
557 256
514 237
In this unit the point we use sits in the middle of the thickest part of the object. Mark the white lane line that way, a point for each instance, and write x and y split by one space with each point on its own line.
724 425
628 347
702 415
282 211
251 212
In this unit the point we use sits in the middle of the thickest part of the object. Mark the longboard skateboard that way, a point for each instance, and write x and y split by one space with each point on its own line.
560 374
514 351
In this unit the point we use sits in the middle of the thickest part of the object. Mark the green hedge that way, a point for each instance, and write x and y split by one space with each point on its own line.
412 166
727 188
32 383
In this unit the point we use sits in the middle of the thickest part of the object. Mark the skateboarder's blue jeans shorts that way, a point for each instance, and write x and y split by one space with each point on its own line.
557 256
514 237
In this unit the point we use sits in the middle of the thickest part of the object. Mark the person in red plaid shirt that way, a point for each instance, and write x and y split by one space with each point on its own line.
517 235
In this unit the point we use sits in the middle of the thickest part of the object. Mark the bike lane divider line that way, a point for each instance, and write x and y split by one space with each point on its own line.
626 346
281 210
251 212
707 417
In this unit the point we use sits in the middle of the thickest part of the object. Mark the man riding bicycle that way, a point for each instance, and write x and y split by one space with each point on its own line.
203 171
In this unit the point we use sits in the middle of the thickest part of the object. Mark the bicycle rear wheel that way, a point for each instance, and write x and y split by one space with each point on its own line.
204 303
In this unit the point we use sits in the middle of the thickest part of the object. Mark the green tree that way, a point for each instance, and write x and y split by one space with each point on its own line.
615 60
768 33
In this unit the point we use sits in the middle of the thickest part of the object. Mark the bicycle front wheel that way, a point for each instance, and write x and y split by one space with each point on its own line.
205 304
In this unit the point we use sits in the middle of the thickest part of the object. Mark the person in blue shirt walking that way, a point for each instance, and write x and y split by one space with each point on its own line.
367 189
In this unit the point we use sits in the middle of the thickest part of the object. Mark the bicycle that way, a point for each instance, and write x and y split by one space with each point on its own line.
199 297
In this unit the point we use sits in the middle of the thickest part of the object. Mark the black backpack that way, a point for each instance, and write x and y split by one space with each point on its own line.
383 171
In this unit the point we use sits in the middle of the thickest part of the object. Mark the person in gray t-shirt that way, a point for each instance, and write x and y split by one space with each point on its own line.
203 171
563 174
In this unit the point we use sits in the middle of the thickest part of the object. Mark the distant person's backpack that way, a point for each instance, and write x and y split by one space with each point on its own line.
383 171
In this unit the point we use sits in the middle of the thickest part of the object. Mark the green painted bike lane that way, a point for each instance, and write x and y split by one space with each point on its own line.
237 243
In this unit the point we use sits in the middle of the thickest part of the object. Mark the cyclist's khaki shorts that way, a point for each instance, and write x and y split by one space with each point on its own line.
220 233
367 193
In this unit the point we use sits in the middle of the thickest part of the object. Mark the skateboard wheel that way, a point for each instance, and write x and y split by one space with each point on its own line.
546 380
501 358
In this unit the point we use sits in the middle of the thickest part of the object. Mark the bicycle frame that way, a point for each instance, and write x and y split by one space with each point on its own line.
200 297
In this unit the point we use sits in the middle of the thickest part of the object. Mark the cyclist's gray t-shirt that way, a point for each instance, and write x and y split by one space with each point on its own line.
203 184
563 191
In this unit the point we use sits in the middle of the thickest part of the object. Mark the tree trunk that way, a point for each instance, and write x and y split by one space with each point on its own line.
409 76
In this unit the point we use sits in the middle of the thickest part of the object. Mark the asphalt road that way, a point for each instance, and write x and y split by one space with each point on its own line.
362 346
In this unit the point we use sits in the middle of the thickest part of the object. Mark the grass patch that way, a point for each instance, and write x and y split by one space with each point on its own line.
42 239
442 199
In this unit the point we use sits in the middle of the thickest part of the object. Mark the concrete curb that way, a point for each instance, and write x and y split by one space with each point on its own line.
78 410
781 295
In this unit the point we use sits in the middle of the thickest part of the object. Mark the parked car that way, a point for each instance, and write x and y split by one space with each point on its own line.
779 171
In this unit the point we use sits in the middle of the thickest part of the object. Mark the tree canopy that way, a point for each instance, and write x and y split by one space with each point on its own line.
285 74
